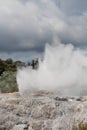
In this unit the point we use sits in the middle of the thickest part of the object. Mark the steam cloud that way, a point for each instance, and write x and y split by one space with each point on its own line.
63 69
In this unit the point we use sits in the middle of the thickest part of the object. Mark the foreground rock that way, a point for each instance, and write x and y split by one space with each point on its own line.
42 111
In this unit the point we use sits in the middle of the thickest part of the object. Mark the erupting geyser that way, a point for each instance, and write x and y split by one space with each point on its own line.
63 69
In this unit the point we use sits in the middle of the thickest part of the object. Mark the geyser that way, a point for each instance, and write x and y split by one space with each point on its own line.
63 69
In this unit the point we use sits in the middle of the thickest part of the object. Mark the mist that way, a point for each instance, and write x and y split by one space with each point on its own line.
63 69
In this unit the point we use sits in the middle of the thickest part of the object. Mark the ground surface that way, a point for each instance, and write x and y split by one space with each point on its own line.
41 111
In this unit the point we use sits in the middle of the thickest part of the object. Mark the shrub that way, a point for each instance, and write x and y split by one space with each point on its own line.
8 82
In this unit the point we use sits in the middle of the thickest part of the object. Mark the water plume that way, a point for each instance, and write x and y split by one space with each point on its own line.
63 69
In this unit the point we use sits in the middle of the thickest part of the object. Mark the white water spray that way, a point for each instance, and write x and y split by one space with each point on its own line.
63 69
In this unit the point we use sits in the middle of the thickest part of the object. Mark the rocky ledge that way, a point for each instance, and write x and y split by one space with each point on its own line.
42 111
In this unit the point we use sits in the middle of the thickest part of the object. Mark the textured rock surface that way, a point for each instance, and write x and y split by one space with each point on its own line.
41 111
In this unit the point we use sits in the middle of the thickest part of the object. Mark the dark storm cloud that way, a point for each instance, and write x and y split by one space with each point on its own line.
29 25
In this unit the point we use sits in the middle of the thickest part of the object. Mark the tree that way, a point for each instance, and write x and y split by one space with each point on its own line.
2 67
9 61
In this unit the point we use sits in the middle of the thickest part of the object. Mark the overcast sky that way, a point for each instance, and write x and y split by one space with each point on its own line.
27 25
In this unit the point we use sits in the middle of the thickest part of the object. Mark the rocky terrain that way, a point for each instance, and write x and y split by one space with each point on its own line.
42 111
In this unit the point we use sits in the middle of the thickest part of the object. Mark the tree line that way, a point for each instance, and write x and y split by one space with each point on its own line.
9 65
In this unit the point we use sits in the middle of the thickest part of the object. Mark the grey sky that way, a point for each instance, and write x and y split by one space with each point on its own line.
26 26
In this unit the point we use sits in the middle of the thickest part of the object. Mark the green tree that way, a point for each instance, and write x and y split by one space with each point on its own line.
2 67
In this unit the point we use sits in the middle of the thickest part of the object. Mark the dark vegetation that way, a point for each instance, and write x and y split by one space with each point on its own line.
9 65
8 69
